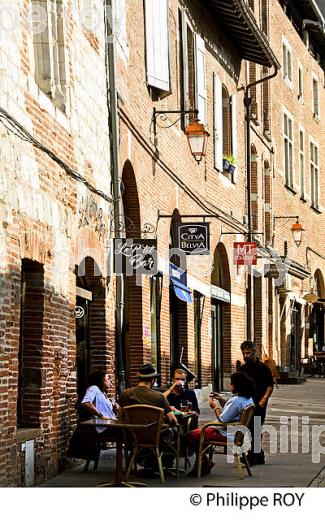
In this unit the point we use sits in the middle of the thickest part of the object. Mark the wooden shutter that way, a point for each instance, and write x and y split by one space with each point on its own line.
218 123
157 48
200 79
234 129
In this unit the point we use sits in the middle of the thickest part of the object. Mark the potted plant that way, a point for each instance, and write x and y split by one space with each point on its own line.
229 164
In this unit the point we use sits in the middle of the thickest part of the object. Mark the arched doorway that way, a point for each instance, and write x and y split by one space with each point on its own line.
91 332
132 340
220 318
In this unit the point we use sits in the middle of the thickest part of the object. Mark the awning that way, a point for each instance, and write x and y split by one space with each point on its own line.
178 282
240 24
182 291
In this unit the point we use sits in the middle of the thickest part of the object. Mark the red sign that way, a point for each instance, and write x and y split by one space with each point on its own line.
245 253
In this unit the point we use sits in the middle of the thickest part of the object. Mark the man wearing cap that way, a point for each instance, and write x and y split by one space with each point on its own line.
143 393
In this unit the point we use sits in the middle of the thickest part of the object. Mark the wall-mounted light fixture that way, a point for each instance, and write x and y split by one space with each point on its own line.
196 133
296 229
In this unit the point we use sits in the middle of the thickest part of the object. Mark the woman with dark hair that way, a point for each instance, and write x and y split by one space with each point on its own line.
241 385
96 401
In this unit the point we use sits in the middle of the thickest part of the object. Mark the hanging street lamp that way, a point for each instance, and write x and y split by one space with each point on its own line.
197 137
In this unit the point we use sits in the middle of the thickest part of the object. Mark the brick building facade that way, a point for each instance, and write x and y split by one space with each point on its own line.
53 98
57 287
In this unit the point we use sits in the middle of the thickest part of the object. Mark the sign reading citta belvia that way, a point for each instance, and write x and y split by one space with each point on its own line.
194 238
135 255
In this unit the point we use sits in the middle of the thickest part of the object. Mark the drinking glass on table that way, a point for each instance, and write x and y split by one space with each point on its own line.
183 406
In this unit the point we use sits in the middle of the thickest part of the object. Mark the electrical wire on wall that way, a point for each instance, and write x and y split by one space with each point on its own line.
14 127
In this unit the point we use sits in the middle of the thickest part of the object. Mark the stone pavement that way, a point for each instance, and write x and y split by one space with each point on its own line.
281 470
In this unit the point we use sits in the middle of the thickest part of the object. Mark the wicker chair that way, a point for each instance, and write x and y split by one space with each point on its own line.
235 446
147 438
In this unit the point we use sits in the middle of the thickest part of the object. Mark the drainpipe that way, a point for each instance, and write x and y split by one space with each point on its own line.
110 62
248 105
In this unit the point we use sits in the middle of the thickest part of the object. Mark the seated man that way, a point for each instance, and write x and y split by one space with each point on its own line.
144 394
178 393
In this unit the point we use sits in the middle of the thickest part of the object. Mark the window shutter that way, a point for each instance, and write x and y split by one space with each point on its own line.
218 123
157 48
234 128
200 79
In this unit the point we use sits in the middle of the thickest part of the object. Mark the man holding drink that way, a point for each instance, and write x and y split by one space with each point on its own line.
180 398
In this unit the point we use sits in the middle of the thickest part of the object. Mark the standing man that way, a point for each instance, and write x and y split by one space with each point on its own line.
263 379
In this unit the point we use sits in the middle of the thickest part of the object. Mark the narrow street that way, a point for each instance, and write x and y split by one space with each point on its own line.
281 470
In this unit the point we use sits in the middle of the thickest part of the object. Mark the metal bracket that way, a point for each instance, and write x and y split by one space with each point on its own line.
162 114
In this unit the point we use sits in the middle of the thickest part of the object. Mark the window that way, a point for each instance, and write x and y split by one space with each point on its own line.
287 61
157 44
300 82
225 124
193 70
288 150
198 308
315 100
302 163
49 52
314 174
30 344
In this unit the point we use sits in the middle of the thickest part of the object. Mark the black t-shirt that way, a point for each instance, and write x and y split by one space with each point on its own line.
188 395
261 375
144 395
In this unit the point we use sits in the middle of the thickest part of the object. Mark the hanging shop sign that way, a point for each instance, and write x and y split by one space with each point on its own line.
194 238
245 253
135 255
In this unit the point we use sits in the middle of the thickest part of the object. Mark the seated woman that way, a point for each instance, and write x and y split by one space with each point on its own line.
85 442
96 401
240 384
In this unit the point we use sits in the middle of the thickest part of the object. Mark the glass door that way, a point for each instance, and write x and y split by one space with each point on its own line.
216 339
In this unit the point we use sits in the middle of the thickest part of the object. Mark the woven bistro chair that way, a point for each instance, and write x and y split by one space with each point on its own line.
236 446
147 438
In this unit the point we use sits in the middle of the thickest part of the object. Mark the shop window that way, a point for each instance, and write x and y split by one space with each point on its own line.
49 50
155 306
30 374
198 310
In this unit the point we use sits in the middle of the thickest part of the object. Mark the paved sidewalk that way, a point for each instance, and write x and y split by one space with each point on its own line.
281 470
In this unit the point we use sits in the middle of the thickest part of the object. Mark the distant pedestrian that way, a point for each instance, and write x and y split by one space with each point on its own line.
263 379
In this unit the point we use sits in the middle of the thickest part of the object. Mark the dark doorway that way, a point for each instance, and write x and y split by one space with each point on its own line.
295 336
83 345
318 323
217 354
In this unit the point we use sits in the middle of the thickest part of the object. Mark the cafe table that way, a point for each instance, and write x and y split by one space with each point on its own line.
115 424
